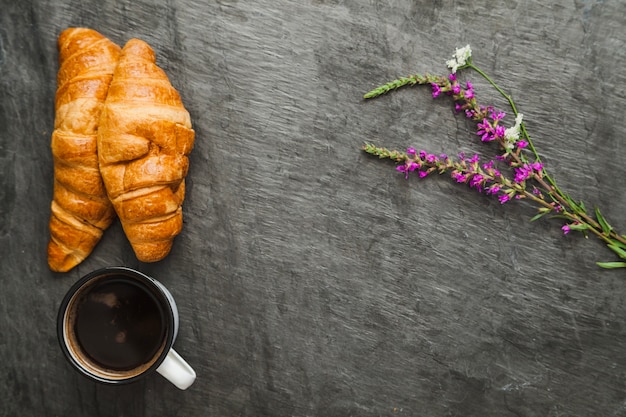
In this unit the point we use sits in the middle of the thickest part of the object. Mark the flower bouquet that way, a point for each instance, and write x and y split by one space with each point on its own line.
516 172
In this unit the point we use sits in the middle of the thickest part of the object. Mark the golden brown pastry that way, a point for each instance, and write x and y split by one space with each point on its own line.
144 138
80 209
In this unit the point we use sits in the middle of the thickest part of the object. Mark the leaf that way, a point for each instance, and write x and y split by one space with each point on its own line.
618 243
611 265
559 216
605 226
579 226
619 251
538 216
575 208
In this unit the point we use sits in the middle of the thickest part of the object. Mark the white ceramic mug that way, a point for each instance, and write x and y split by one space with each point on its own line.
117 325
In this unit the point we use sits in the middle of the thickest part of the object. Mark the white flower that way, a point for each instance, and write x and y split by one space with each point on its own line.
511 135
459 58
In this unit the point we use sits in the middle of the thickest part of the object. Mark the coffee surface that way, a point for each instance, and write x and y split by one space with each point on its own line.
119 324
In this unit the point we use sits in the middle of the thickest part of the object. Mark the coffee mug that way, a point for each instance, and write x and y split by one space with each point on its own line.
117 325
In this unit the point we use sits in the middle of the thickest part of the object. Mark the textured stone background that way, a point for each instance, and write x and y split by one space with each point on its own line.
311 279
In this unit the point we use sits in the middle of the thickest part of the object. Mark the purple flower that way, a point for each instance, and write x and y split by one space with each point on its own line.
499 132
503 198
436 90
469 91
566 229
476 181
523 173
456 89
459 177
497 115
423 174
489 168
411 151
526 171
409 166
485 131
522 144
494 189
452 77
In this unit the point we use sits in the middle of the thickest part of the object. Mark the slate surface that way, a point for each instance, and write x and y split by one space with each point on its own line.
311 279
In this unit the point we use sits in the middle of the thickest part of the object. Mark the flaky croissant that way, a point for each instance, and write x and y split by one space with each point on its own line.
80 209
144 138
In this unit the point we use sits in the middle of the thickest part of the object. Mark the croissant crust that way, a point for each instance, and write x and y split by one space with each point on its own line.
80 209
144 137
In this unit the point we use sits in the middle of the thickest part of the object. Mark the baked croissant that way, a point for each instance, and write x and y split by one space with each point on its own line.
80 209
144 138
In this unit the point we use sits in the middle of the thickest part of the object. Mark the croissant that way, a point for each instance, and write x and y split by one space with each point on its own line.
144 138
80 209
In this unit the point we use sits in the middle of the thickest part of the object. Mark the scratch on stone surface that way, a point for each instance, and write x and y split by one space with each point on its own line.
519 386
226 71
587 7
515 386
576 332
2 50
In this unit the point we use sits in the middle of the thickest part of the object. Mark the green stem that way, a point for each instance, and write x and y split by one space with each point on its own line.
494 85
531 145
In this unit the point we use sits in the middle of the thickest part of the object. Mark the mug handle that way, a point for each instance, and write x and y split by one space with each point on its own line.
176 370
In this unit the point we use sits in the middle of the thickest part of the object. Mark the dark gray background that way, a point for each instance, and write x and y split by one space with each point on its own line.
313 280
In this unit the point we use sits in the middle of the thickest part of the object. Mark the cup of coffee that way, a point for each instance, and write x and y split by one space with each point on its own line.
117 325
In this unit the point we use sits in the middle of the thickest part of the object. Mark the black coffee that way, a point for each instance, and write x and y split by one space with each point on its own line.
119 324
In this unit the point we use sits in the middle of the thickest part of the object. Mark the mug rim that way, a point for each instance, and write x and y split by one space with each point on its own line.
168 308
